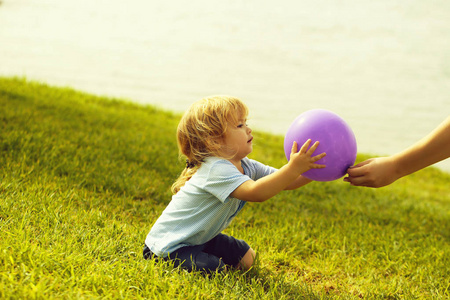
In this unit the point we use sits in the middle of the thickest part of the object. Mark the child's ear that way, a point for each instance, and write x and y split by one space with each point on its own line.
216 145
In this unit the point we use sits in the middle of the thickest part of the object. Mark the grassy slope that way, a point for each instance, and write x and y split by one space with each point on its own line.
84 177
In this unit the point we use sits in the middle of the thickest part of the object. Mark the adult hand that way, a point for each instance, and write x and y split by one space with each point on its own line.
378 172
374 172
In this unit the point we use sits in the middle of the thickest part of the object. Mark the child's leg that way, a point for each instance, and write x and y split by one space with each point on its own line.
234 252
248 259
190 258
194 258
212 256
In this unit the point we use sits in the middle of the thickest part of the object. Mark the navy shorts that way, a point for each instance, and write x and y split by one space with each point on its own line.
221 251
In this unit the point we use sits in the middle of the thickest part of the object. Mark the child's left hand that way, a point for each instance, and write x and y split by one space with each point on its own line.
303 159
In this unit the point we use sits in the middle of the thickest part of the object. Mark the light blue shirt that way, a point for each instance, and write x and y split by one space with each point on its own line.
203 207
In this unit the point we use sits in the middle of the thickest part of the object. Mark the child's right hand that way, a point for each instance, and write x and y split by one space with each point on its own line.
303 160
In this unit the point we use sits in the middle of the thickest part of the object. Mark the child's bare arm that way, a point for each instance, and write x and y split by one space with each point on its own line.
299 182
269 186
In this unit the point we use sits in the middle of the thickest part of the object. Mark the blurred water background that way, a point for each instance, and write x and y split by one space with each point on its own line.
383 66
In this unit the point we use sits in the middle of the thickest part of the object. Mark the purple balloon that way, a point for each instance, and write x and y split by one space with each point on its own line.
336 139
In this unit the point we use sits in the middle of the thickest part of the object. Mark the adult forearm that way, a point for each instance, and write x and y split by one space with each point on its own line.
431 149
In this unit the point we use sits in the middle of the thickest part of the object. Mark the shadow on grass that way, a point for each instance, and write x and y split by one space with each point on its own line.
256 283
273 285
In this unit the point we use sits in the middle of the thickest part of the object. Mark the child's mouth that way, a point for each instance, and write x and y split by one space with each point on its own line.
250 140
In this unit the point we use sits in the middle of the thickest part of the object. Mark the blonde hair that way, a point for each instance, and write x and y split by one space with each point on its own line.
202 129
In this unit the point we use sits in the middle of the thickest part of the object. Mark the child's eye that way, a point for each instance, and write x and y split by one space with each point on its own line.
240 125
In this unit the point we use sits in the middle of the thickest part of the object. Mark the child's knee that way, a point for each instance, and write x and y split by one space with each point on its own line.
248 259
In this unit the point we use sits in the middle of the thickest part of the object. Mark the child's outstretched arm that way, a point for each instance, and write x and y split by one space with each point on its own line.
299 182
268 186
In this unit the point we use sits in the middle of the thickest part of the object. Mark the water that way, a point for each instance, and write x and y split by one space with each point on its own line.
384 66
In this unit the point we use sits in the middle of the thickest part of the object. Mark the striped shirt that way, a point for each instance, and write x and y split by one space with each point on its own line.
203 207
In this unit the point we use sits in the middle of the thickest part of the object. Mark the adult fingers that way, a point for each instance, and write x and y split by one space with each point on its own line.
359 169
359 181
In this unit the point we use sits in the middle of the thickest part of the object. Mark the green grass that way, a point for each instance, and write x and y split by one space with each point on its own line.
83 178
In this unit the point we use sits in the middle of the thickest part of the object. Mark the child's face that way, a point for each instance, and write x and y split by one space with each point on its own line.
238 140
